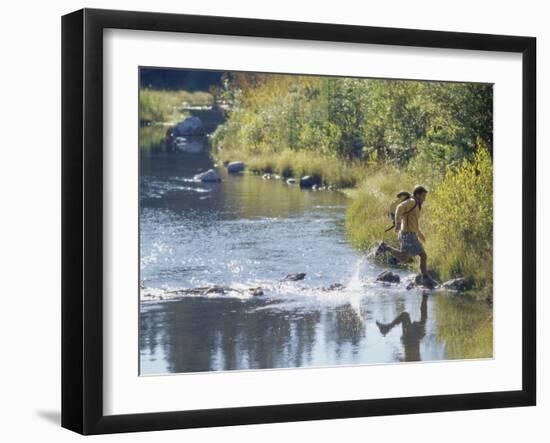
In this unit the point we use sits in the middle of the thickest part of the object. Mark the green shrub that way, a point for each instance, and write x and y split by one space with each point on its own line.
460 226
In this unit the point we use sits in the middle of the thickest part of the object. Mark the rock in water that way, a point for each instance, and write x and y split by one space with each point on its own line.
295 277
460 284
334 287
210 176
256 292
235 167
308 181
291 181
388 277
190 126
432 283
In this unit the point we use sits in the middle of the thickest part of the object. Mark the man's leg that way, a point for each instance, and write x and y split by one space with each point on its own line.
403 256
423 264
427 281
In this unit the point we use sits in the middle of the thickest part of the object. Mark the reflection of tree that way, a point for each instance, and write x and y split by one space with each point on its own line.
199 334
347 326
223 334
413 332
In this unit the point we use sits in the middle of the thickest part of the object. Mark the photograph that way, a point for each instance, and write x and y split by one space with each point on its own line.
299 221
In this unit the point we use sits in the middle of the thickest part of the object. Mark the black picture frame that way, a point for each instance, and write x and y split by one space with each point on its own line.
82 218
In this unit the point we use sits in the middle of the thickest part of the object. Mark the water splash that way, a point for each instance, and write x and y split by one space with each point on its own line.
355 283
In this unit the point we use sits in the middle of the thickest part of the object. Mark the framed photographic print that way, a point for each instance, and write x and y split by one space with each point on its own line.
269 221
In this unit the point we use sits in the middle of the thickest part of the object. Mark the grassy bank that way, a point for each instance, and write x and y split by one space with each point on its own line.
159 106
288 163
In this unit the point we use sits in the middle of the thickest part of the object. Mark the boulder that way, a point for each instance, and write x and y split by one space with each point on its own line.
388 277
295 277
460 284
235 167
190 126
430 284
309 181
210 176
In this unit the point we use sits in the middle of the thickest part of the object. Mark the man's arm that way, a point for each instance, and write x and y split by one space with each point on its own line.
401 210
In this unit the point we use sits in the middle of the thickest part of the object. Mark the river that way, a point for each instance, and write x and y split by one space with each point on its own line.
249 232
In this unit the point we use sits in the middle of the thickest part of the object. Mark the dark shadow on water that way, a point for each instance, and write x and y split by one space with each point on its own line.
54 417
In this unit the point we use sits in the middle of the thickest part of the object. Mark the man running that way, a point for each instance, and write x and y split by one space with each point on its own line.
407 216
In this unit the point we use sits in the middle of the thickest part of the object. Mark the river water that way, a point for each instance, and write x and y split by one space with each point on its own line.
249 232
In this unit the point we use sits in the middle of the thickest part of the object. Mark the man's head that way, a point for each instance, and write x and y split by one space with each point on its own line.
420 193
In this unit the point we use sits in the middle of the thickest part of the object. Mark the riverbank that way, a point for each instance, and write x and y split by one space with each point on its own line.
160 106
327 170
457 219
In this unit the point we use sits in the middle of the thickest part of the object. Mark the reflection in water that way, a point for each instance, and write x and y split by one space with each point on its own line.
413 332
466 327
249 232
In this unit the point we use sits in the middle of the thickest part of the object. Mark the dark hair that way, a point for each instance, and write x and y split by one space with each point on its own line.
419 190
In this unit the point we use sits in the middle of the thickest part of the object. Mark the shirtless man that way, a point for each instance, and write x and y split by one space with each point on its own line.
407 217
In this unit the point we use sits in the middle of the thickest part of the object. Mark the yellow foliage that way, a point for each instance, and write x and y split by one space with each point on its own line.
460 225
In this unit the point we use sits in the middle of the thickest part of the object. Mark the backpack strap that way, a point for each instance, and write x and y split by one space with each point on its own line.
415 205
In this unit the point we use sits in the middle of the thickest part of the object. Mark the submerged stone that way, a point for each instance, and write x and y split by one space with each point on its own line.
295 277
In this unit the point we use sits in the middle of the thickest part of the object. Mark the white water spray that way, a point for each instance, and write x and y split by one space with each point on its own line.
355 284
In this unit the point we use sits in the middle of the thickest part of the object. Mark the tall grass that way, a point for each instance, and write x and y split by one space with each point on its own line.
289 163
169 106
461 220
367 215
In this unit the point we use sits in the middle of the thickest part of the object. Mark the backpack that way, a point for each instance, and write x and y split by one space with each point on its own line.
393 206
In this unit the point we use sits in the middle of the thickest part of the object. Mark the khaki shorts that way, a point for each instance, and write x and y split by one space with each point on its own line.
409 243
